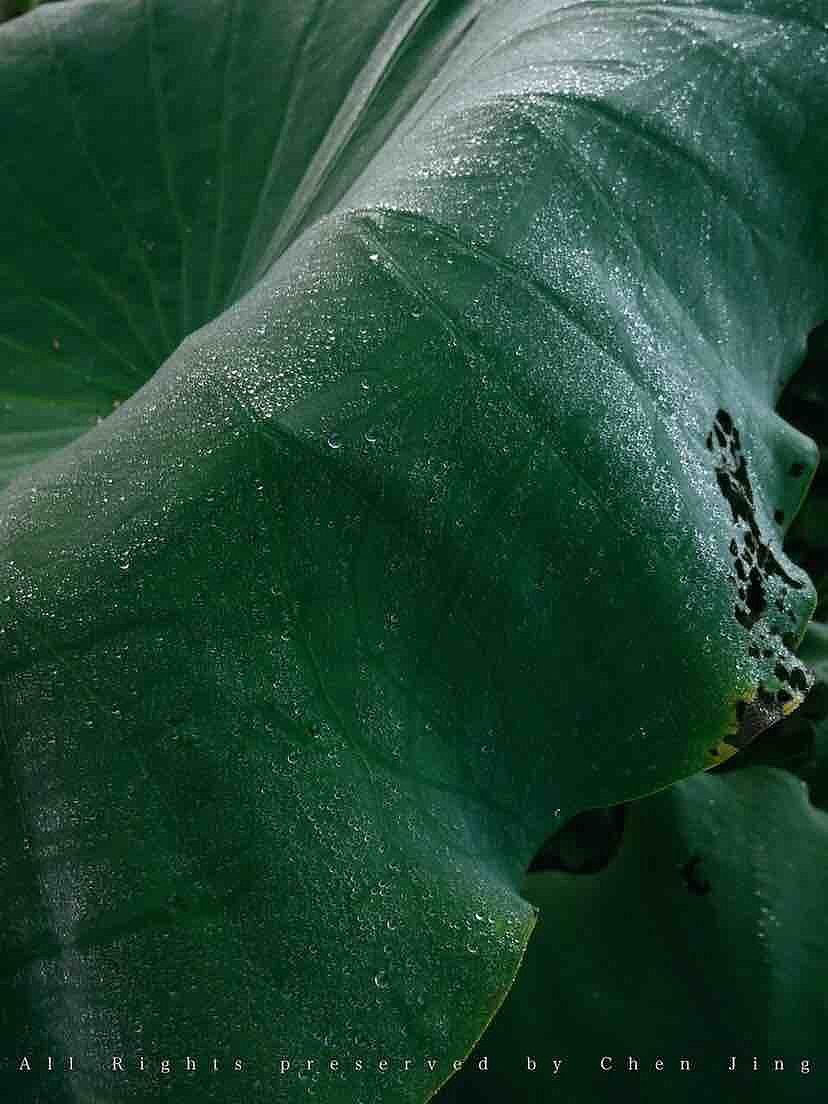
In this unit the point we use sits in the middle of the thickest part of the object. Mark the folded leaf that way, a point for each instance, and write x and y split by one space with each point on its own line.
461 512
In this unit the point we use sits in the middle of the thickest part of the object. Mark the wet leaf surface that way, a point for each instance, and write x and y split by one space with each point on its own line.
459 329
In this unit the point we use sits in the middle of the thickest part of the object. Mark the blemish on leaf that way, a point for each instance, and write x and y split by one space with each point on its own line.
692 878
748 547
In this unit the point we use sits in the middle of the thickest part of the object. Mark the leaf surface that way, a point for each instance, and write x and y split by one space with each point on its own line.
703 940
434 531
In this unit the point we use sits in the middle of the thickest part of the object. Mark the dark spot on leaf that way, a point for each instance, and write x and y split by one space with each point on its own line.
756 594
733 480
724 420
778 516
797 469
692 878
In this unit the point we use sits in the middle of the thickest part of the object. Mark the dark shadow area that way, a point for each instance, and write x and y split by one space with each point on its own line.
585 844
804 404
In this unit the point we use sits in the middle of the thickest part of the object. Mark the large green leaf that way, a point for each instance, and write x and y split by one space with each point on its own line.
433 538
704 940
178 147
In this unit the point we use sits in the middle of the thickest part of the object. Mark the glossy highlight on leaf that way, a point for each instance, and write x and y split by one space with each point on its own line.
396 341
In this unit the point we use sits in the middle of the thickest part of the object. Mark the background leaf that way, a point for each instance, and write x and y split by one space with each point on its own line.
151 198
705 939
431 540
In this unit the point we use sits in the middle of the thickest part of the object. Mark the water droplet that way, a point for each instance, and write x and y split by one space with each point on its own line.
373 257
124 565
365 384
371 437
472 949
380 980
557 812
334 442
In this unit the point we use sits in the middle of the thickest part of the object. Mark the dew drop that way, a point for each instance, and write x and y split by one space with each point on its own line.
334 442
